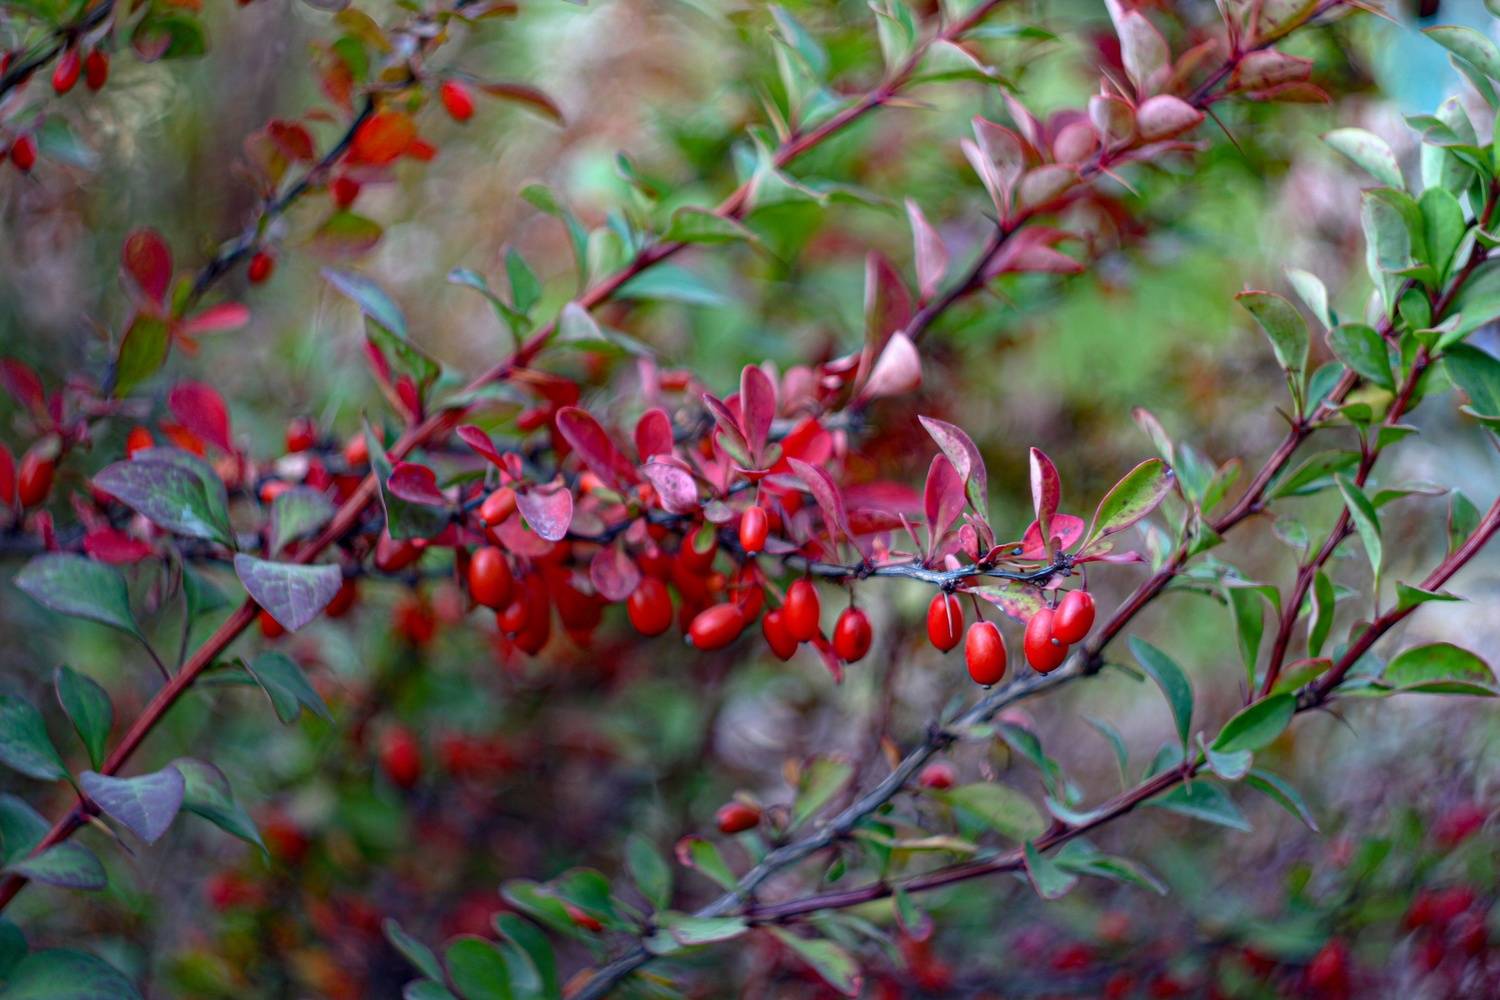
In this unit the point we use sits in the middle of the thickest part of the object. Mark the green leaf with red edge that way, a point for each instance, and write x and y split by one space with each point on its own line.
142 352
1017 600
964 455
345 234
80 588
292 594
146 265
1441 668
833 964
1137 494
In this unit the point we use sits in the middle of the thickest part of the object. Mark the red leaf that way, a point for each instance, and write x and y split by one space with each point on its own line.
1066 530
674 485
1046 492
221 318
808 441
107 545
930 252
383 137
522 94
826 492
727 417
147 262
653 434
23 385
7 477
201 409
549 511
593 445
293 140
416 484
477 439
897 371
757 408
967 462
942 501
887 304
614 574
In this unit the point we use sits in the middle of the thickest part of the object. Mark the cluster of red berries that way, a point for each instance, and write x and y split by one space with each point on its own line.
1049 633
93 67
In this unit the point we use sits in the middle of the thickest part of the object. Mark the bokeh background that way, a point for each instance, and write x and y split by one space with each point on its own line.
582 746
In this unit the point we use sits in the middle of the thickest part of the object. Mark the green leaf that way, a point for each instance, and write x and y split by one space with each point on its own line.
403 520
1116 743
1363 350
537 948
286 686
666 282
1172 681
688 930
1410 597
1369 152
88 707
201 595
833 964
1130 499
1283 794
1283 326
1048 878
1444 227
21 827
1204 801
291 593
1003 809
1468 44
652 874
822 779
79 587
163 35
66 865
691 224
206 793
1257 725
1314 474
298 513
1387 222
1247 606
142 352
1231 765
65 974
418 954
24 743
145 804
1313 292
1323 602
371 299
12 947
168 494
426 989
477 969
1080 858
1477 373
704 858
345 234
1440 668
1366 520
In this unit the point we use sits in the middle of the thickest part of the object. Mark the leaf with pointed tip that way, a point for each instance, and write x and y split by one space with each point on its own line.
1366 520
286 686
65 974
821 781
1283 326
667 283
403 520
704 858
592 444
1363 350
1369 152
143 350
24 743
1205 801
688 930
169 494
1468 44
291 593
653 434
964 455
826 492
1046 493
1000 807
649 870
299 512
548 510
757 408
1136 495
833 964
1172 681
1283 794
691 224
414 951
370 297
206 793
79 587
1077 857
1440 668
1017 600
943 500
1048 878
145 805
1256 725
22 828
88 708
66 865
929 251
416 484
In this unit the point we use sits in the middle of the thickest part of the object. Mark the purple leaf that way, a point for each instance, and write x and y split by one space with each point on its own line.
674 485
887 302
943 500
593 445
549 510
727 419
145 805
170 490
964 455
930 253
292 594
897 371
416 484
477 439
614 574
653 434
1046 492
757 409
826 492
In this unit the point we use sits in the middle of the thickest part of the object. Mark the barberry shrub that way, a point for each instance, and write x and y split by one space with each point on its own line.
593 626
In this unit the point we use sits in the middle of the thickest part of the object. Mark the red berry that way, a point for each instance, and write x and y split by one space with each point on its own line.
261 266
139 439
754 526
457 99
23 153
401 757
65 73
357 451
984 650
392 556
778 636
498 506
345 189
344 599
801 611
1328 972
489 577
716 627
1074 617
269 626
737 817
938 775
945 621
699 548
34 481
95 69
301 434
1042 652
852 635
650 607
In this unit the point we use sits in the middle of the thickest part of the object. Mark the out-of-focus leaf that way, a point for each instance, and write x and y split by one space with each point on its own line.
65 974
1440 668
78 587
1048 878
206 793
287 686
24 743
833 964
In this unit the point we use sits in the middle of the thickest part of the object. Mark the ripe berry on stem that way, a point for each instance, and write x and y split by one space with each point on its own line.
852 635
34 480
1074 617
984 650
23 153
737 817
802 610
1043 652
489 577
717 626
96 69
778 636
650 607
401 757
945 621
65 73
754 527
457 100
261 266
